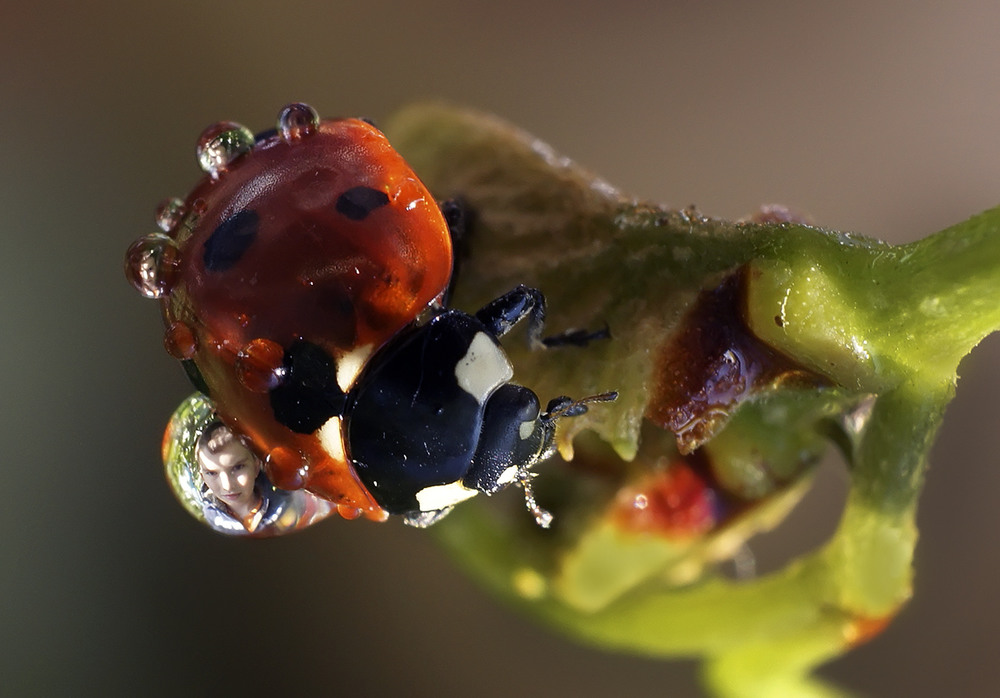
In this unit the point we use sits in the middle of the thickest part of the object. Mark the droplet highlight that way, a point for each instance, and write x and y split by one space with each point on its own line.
296 121
151 265
222 143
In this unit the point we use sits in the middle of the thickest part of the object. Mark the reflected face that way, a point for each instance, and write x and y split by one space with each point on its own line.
230 473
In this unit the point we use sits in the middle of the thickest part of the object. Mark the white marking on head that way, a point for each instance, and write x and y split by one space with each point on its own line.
443 496
349 365
331 437
526 429
483 369
508 476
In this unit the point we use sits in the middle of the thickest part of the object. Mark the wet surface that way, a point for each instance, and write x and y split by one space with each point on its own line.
712 364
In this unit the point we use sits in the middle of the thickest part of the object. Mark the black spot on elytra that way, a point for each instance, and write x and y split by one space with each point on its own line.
358 202
308 395
230 240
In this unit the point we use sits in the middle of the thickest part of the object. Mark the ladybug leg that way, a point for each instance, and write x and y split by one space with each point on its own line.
423 519
457 216
501 314
543 517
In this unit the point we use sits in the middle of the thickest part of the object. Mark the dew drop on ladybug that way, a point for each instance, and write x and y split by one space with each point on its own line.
220 144
151 265
297 121
180 341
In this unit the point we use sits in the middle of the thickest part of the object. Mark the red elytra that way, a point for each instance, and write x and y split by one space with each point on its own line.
328 237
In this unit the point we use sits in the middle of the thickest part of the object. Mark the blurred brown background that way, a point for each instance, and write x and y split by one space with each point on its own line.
881 118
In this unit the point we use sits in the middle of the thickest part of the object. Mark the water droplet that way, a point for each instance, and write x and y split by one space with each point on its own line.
348 512
151 265
260 365
220 144
296 121
183 469
180 341
170 213
287 468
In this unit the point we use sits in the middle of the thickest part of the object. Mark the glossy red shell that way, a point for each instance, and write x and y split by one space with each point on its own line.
343 282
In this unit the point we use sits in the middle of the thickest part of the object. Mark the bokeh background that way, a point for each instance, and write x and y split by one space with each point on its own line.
881 118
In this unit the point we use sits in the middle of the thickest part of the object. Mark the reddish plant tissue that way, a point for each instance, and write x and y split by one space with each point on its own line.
712 363
676 502
863 628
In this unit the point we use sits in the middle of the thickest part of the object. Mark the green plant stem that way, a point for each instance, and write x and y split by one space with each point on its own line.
874 315
948 291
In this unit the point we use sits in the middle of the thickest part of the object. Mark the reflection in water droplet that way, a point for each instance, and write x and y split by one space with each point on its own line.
296 121
281 512
151 265
180 342
260 365
188 421
220 144
170 213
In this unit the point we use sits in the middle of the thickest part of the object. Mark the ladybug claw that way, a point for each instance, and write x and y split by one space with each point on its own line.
543 517
576 337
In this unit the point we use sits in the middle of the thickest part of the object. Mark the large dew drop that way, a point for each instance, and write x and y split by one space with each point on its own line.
296 121
222 143
151 265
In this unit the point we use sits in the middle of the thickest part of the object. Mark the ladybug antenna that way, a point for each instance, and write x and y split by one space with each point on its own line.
542 517
567 407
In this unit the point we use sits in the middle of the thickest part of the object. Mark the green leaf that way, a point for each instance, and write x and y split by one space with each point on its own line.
741 352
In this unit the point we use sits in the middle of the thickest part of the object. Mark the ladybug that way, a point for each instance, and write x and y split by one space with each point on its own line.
303 284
